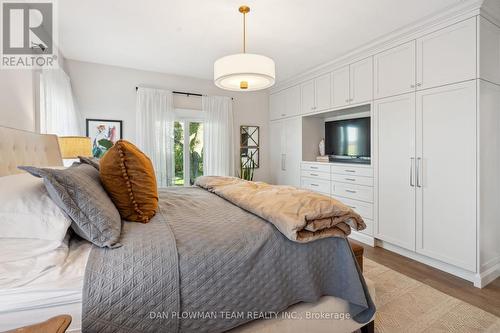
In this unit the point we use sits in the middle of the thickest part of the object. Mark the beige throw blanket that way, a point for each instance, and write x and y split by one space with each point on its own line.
301 215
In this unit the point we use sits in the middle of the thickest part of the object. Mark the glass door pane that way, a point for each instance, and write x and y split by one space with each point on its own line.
178 153
195 150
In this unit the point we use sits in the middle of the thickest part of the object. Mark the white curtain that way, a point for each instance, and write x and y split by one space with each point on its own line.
58 114
155 131
218 157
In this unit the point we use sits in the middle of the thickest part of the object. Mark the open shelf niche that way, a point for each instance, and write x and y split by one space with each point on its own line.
313 128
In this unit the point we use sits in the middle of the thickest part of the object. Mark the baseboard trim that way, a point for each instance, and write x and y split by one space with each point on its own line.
488 276
457 271
360 237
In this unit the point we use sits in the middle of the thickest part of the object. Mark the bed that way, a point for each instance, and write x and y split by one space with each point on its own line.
63 289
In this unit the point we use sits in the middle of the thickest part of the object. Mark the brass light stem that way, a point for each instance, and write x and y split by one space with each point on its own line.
244 33
244 10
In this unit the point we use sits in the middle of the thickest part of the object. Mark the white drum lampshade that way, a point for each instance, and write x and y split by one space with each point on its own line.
244 71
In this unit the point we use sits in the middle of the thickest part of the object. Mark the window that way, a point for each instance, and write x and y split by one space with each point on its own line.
188 150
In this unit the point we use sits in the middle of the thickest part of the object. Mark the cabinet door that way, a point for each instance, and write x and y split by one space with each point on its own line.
447 55
307 96
275 134
340 87
323 91
277 105
446 184
395 139
293 151
394 71
361 81
292 101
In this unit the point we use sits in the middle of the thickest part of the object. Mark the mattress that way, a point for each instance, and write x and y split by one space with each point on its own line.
56 291
59 291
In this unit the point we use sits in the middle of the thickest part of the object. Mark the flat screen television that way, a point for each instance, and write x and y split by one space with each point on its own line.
348 139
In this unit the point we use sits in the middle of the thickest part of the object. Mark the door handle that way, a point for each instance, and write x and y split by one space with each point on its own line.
418 172
412 161
283 162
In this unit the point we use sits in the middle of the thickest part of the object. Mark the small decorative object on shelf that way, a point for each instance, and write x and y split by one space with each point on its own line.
322 159
322 147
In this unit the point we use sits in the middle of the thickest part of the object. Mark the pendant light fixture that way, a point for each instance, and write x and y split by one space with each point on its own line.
244 71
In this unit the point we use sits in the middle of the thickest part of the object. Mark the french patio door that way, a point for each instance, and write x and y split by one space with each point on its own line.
188 151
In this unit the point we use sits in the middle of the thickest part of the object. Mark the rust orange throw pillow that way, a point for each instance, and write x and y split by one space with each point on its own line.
129 178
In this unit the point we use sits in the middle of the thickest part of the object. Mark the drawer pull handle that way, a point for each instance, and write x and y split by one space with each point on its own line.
352 207
313 167
350 191
314 185
350 179
314 174
353 171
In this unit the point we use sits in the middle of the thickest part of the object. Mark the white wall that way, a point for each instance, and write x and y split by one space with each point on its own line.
17 99
108 92
19 96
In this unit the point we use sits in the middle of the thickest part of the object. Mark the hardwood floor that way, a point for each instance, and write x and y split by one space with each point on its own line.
487 298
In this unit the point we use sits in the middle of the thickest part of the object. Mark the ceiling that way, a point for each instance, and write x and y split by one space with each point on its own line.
185 37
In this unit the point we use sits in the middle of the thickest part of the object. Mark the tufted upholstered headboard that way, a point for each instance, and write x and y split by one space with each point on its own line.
18 147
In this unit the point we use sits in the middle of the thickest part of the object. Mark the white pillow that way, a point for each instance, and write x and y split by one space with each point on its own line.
27 211
26 260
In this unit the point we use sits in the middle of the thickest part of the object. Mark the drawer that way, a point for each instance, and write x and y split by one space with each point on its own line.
316 167
316 185
364 209
350 179
315 174
351 191
353 171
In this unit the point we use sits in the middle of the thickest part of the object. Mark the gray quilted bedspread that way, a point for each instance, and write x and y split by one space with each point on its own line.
205 265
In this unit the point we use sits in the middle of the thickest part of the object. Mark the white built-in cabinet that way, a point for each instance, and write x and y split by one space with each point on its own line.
322 92
434 100
307 97
286 154
446 174
353 84
340 87
438 58
316 94
361 81
427 172
447 55
394 71
285 103
396 184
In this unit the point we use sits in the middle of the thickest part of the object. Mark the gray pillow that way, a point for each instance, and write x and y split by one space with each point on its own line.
90 161
77 190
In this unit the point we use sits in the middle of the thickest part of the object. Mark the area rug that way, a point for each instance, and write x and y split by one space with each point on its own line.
407 305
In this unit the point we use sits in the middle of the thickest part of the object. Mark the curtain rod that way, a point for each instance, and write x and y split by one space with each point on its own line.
184 93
